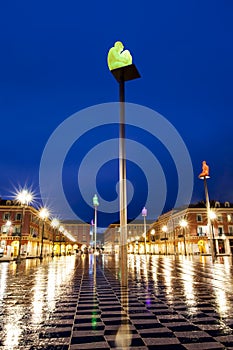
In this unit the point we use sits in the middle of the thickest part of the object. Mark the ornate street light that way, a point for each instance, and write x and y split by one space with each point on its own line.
183 223
43 215
144 214
55 224
164 229
24 198
95 204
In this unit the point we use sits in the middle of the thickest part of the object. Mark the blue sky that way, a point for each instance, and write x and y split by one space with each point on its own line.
53 64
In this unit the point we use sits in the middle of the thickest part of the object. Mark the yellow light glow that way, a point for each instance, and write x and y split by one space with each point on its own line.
55 223
212 215
43 213
24 197
183 223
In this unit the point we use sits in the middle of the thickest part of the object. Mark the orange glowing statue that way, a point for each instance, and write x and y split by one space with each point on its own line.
205 170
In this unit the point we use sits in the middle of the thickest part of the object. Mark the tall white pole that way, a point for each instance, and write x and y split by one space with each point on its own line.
95 228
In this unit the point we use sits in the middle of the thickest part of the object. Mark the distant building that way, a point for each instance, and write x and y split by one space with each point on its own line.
187 230
82 231
135 232
182 231
23 229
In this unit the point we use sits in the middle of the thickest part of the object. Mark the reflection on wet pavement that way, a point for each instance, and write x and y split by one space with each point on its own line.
78 303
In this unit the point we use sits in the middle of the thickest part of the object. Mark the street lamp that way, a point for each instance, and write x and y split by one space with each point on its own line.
152 241
164 229
122 68
95 204
184 224
213 216
55 224
43 214
144 214
204 176
24 198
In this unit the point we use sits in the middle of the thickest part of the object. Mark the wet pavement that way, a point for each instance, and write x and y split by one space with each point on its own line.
69 303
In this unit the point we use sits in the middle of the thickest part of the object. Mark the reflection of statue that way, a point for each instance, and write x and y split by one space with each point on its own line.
205 170
201 246
117 57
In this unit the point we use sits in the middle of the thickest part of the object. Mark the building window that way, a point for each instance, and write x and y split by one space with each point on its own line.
16 229
220 230
5 229
227 205
6 216
219 218
18 217
230 230
201 230
221 246
229 217
199 218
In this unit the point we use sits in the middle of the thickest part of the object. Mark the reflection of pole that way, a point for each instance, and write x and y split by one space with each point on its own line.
123 194
60 245
52 255
164 229
184 233
174 236
20 236
165 242
42 242
213 239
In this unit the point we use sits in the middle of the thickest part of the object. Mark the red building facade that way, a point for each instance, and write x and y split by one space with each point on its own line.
21 228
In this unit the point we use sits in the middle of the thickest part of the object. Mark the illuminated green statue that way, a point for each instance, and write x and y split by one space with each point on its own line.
117 57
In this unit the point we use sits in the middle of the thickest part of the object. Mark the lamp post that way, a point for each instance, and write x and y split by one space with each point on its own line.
204 176
24 198
55 224
91 234
120 65
61 230
164 229
144 214
184 224
152 242
213 216
95 204
43 214
65 235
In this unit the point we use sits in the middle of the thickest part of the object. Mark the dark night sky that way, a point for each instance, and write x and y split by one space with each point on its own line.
53 64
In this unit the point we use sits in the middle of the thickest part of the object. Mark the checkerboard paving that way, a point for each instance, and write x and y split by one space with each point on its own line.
100 314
